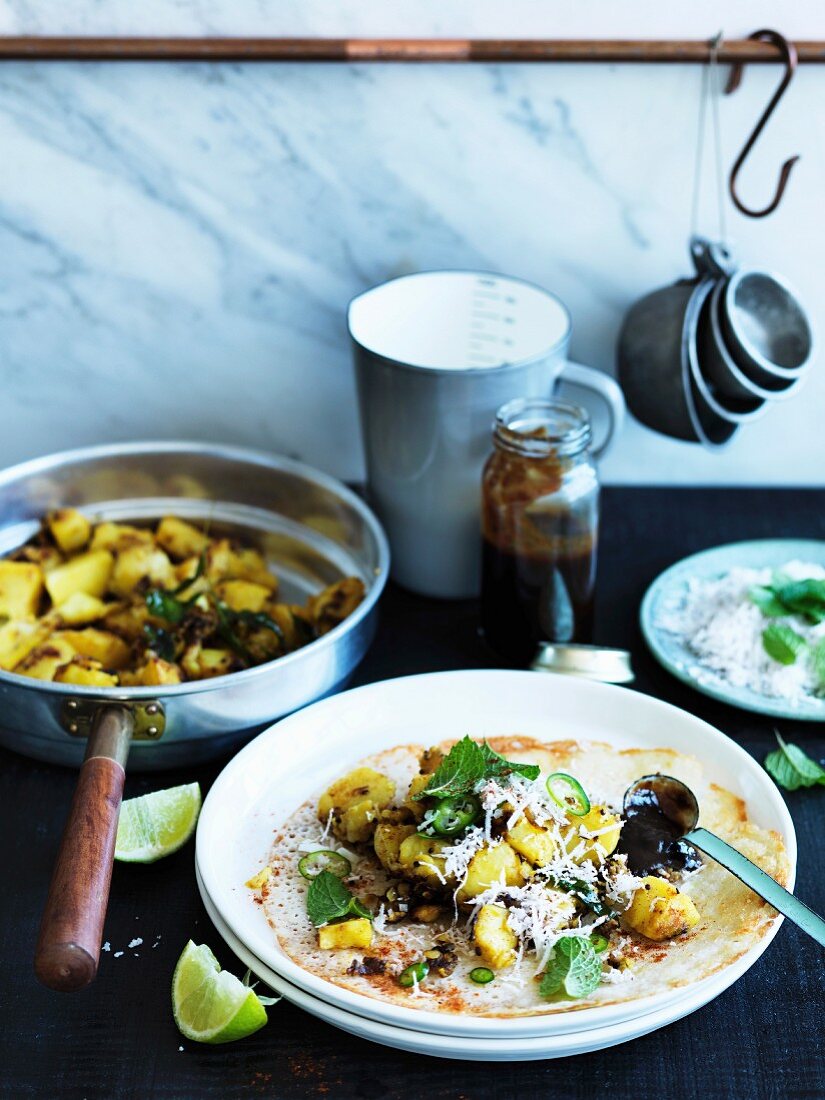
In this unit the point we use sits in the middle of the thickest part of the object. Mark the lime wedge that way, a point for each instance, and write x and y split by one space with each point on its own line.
157 824
211 1005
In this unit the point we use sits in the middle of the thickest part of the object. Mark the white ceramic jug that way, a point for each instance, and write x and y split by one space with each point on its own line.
436 355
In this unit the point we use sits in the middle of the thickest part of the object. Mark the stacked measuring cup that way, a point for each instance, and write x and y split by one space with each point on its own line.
700 358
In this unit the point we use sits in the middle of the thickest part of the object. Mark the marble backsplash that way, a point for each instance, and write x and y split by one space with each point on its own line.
179 242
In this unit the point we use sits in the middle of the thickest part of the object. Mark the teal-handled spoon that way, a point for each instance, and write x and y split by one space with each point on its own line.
677 807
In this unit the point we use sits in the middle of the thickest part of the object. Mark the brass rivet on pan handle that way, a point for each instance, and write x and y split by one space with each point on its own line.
78 715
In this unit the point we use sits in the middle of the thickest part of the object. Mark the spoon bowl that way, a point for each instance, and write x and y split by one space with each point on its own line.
678 809
671 797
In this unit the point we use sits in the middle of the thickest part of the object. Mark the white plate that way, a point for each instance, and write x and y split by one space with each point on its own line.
455 1046
668 593
297 757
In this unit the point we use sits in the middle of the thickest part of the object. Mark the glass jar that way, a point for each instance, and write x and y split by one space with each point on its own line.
540 514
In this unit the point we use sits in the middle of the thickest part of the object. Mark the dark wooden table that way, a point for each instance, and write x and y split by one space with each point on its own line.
762 1038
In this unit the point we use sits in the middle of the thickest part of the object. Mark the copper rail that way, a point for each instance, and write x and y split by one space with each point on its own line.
37 48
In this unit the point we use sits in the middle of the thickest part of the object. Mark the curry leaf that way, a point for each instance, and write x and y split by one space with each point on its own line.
163 605
160 641
184 584
226 630
586 893
259 618
229 620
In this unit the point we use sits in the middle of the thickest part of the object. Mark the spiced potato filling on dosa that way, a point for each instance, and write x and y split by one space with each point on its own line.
491 879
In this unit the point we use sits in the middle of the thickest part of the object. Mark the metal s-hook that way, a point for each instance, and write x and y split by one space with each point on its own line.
788 51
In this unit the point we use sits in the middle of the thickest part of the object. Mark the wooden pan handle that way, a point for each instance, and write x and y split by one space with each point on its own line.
68 945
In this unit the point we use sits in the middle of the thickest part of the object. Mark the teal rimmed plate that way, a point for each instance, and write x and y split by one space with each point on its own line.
669 590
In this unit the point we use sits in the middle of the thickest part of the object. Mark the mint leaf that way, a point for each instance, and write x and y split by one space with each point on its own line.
792 768
585 971
328 899
575 968
495 765
552 980
805 598
466 764
782 771
782 643
458 772
356 909
799 593
767 601
784 596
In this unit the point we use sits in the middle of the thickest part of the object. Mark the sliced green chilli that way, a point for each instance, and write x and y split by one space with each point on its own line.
568 793
600 942
452 816
324 860
414 974
482 975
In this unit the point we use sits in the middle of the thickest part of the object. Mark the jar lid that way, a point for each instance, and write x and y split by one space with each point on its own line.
592 662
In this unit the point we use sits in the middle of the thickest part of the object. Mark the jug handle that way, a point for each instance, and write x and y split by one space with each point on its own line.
610 392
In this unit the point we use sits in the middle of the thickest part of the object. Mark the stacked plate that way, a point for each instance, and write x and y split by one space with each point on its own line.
296 758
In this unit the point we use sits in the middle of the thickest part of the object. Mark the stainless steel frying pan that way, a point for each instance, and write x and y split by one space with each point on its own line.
312 531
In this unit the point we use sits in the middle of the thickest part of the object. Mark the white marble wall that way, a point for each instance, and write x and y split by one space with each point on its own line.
179 242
